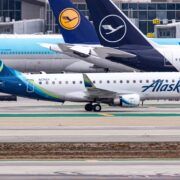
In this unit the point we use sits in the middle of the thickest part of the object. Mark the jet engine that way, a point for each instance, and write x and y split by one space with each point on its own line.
131 100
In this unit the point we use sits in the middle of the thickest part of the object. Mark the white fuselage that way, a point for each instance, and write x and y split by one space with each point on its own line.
71 87
170 53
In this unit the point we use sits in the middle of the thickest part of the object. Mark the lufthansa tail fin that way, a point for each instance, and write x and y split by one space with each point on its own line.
114 29
6 71
74 26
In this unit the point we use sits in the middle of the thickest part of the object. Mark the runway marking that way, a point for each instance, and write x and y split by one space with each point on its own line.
107 115
48 115
89 115
148 115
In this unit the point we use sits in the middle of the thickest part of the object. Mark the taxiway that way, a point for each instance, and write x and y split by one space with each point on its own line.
90 170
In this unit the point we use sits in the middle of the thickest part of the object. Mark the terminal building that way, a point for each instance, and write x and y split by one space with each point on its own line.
35 16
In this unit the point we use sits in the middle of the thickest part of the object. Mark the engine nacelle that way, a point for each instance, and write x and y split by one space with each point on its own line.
132 100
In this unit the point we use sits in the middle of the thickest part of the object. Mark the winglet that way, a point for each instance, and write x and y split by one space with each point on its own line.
87 82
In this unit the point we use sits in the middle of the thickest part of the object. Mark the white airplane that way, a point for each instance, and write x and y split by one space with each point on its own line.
114 89
25 53
122 44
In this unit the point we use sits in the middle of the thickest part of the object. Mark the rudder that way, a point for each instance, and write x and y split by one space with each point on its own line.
74 26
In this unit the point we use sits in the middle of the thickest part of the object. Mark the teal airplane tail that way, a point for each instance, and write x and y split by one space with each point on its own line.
6 71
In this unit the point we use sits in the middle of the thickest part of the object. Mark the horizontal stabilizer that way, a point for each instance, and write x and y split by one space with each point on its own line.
106 52
94 54
82 51
97 51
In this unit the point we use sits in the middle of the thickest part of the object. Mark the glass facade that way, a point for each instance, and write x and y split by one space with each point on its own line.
146 12
10 9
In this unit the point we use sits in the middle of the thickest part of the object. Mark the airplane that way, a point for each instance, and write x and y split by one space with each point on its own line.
127 46
25 53
130 39
115 89
76 33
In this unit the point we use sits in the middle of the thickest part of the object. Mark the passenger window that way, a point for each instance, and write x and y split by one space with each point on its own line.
74 82
134 81
121 81
167 81
60 82
47 82
114 81
66 82
140 81
80 82
173 80
108 81
53 82
147 81
94 82
40 82
127 81
100 82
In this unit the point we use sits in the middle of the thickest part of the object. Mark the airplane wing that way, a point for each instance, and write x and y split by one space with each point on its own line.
94 54
95 92
99 51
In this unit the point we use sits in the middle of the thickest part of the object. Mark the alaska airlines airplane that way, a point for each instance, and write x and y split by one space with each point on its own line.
121 43
114 89
25 53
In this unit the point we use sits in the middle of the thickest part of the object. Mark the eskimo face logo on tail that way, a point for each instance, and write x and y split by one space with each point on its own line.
112 28
69 19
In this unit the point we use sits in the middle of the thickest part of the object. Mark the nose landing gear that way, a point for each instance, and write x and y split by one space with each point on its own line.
91 107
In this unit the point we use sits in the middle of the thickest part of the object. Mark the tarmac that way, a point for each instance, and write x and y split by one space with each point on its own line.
93 169
37 121
89 134
29 113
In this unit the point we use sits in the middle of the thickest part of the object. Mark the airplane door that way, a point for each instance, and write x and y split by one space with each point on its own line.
30 87
168 59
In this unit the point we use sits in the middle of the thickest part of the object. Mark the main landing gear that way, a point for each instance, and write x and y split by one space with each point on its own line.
91 107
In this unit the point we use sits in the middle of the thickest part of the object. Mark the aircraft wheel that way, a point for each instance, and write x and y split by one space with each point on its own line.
97 108
89 107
